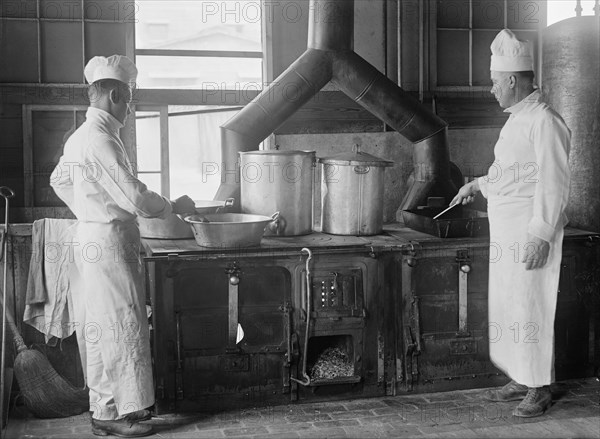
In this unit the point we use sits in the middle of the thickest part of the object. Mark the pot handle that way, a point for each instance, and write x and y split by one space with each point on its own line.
275 223
362 169
228 203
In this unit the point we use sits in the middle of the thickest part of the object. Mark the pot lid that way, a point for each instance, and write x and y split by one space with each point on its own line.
355 158
276 152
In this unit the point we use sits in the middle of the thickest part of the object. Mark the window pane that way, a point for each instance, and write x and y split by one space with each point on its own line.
147 133
488 14
63 10
195 152
199 25
524 14
481 56
453 58
104 39
62 60
50 131
115 11
152 181
199 73
19 9
18 43
453 14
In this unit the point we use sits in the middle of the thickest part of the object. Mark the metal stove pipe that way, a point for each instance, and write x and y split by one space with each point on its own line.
273 106
330 56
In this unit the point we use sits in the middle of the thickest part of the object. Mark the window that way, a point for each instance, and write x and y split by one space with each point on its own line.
50 42
182 138
46 129
199 44
207 47
464 31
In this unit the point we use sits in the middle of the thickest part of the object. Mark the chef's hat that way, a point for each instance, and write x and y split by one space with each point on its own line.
509 54
117 67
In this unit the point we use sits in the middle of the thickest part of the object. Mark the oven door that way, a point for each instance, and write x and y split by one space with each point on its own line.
200 364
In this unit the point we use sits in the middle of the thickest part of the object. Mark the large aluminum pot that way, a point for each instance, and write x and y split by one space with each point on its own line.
280 181
174 227
352 193
229 230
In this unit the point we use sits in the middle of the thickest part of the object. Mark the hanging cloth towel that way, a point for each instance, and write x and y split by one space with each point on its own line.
51 275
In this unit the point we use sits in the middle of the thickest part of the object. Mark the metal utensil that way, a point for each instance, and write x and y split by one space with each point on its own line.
445 210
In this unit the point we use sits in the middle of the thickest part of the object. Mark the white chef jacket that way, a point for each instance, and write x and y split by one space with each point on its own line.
94 177
531 160
527 188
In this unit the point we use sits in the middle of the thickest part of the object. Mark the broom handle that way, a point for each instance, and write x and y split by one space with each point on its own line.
6 193
8 317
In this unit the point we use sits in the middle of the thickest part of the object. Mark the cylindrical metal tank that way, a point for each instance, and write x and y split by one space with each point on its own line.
571 85
352 193
279 181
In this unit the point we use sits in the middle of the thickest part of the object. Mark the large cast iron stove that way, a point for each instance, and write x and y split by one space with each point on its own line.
294 310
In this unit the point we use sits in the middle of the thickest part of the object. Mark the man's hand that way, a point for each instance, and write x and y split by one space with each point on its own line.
536 252
466 194
184 205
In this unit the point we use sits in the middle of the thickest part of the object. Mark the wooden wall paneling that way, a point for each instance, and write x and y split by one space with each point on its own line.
330 112
44 94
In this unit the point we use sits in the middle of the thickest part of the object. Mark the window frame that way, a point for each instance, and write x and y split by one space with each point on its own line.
159 99
471 89
28 156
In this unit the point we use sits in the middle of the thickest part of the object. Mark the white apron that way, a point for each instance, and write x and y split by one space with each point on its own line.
522 303
117 353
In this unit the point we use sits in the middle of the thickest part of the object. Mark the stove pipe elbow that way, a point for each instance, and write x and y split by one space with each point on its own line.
272 107
375 92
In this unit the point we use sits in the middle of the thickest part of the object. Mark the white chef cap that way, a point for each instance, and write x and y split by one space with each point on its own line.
117 67
509 54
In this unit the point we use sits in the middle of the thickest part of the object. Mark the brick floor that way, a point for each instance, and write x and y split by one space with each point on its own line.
461 414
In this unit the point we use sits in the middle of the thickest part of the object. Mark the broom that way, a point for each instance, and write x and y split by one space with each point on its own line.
45 392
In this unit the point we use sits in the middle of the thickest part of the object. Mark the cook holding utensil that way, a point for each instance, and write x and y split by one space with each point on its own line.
95 178
527 188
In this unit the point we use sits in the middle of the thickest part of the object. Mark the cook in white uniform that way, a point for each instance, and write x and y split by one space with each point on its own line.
95 178
527 188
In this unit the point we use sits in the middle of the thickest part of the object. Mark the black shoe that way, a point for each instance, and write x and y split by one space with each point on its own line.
121 428
512 391
140 415
536 402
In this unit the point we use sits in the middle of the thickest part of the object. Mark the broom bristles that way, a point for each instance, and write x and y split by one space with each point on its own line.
46 393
